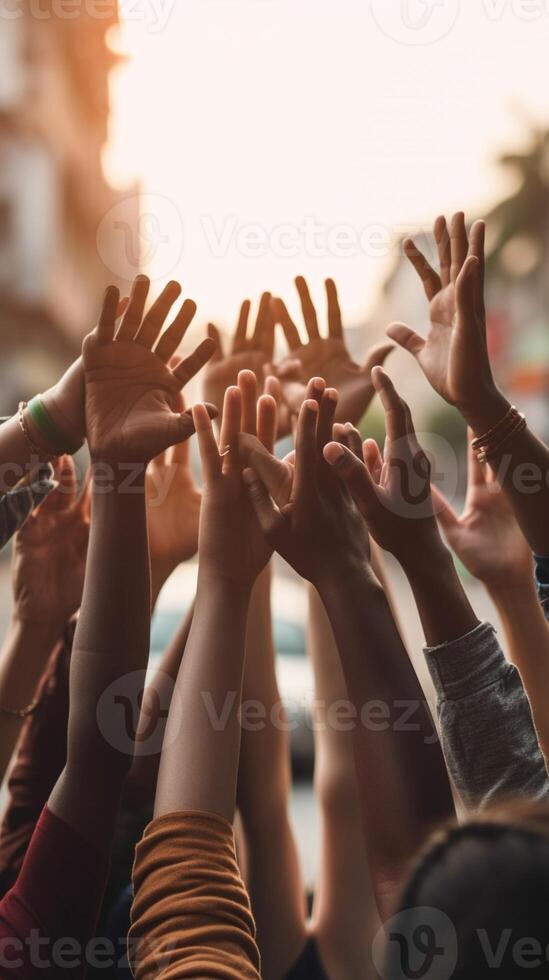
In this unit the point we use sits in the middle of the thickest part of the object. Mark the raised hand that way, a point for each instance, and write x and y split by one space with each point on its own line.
232 546
49 556
326 357
454 354
130 390
391 491
303 511
247 352
65 401
487 537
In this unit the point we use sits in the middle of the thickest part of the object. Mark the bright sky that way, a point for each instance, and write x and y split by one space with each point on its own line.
239 113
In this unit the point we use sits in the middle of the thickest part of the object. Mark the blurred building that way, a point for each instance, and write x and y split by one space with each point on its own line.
517 293
54 115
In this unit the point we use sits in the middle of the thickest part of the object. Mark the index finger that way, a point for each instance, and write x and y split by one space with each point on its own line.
309 312
306 449
393 405
335 324
281 315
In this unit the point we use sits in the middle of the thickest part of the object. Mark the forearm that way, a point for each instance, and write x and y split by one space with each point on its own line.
402 778
527 634
264 742
521 468
24 656
442 604
143 776
110 653
199 765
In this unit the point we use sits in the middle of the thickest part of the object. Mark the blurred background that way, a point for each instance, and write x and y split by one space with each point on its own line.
233 144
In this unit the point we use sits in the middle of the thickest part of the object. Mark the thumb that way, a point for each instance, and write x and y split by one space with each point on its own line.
377 356
184 426
353 474
269 518
444 512
406 337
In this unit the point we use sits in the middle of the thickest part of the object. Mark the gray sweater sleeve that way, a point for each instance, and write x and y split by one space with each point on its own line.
488 736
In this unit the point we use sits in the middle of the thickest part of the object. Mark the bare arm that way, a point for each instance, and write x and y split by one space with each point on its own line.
129 396
318 530
49 555
199 765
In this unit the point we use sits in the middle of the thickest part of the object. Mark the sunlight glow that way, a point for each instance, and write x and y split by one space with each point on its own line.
274 112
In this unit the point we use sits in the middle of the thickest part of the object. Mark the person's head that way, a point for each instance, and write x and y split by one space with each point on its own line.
477 903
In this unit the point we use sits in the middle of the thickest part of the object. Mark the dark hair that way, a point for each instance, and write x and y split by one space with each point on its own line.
485 886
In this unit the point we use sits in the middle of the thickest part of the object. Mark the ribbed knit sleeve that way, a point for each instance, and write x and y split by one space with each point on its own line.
191 915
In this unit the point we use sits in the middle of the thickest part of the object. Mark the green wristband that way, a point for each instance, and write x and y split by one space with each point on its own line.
47 428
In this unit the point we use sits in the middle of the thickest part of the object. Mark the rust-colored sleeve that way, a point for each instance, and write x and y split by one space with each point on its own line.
191 915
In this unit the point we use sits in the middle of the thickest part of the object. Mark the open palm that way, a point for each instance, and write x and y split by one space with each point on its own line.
324 357
454 355
486 537
247 353
130 390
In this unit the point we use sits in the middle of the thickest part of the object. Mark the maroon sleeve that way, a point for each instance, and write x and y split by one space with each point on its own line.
40 760
50 915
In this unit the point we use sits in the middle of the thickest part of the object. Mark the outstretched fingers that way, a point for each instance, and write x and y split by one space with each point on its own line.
108 316
431 280
442 238
136 306
335 323
155 318
309 312
190 366
172 337
280 315
239 340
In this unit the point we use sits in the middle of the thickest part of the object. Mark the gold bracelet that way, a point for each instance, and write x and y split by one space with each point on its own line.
487 444
20 712
487 453
25 430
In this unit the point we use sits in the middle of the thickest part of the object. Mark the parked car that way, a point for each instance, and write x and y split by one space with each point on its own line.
294 673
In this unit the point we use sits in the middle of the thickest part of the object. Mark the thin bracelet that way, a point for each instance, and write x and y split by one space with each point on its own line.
20 712
48 428
505 421
25 430
488 453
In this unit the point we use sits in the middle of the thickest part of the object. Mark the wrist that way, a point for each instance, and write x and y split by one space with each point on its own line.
352 575
215 583
123 478
428 560
487 410
513 594
38 626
